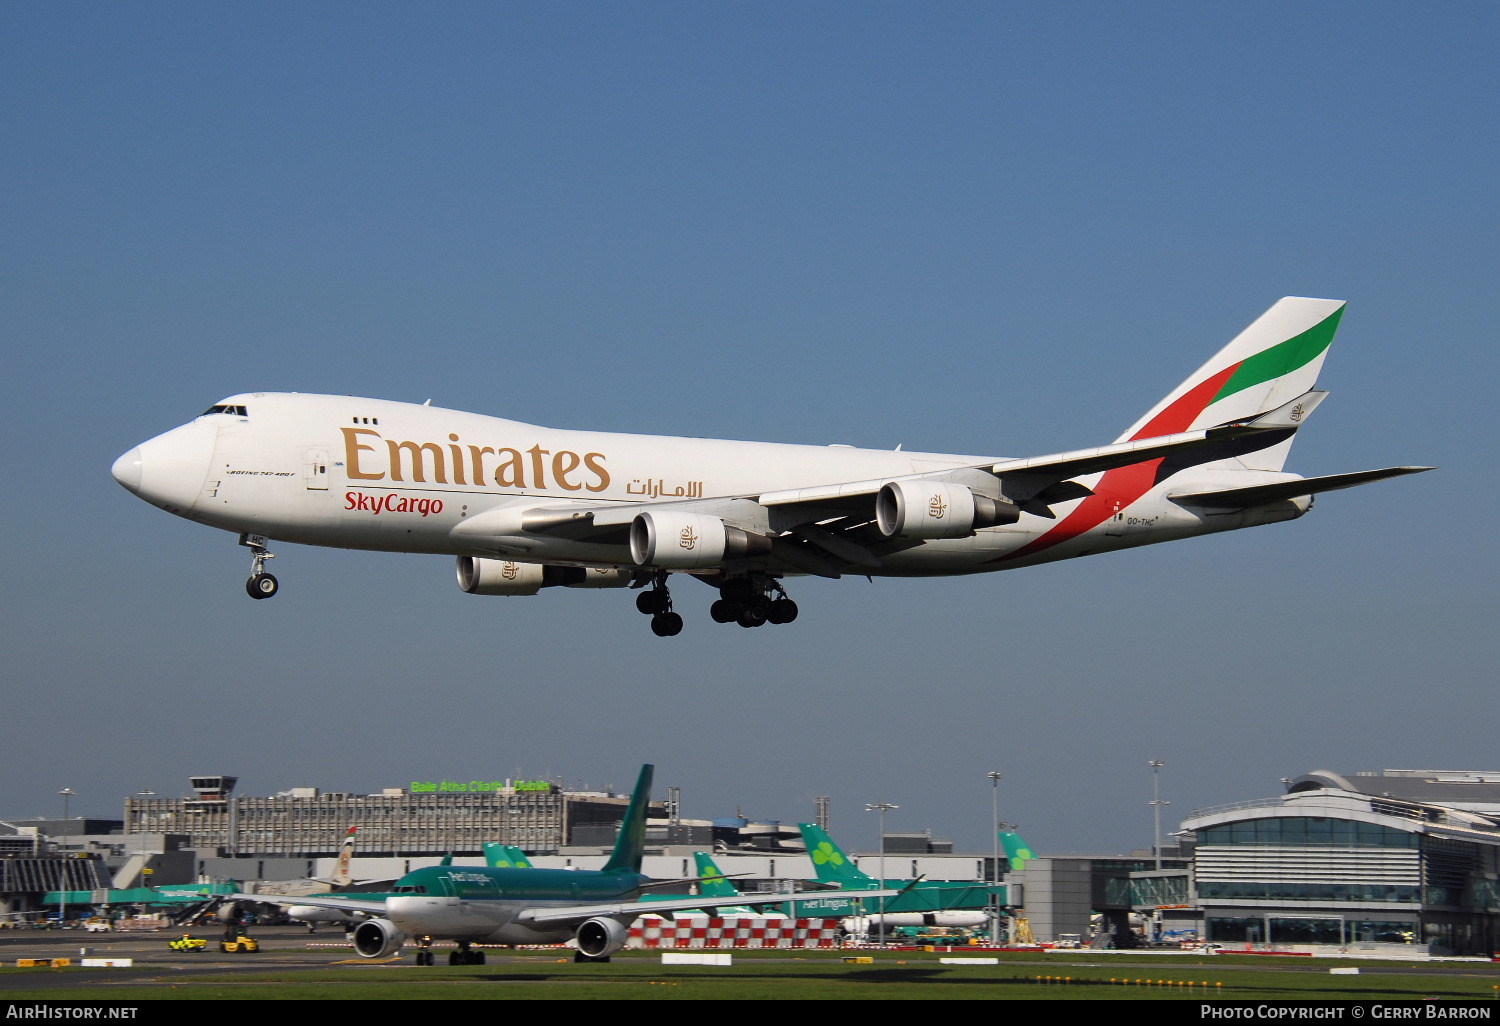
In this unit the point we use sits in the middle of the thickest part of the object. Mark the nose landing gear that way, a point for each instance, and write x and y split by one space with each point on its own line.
261 585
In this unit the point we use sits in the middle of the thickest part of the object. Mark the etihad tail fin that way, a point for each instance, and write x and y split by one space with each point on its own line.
630 845
1269 365
829 860
341 874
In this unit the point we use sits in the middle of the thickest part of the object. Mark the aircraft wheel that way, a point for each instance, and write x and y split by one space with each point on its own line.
724 611
783 610
261 586
476 958
666 625
651 602
456 958
753 616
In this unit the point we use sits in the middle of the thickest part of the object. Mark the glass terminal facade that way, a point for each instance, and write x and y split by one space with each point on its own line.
1384 872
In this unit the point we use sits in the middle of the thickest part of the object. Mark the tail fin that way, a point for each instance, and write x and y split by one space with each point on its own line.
714 884
630 845
341 875
829 860
505 856
1268 365
1017 851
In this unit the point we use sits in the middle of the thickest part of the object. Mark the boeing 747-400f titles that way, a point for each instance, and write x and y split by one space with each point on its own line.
525 507
483 904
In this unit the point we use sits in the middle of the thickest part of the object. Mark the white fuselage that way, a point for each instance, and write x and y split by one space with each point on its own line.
381 475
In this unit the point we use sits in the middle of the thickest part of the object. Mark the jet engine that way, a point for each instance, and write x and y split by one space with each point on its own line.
689 541
600 938
479 576
377 938
937 509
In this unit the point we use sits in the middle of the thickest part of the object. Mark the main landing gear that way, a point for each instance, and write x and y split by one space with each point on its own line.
751 603
261 585
747 601
657 604
465 955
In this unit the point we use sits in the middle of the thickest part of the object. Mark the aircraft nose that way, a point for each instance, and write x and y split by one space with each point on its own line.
127 470
169 470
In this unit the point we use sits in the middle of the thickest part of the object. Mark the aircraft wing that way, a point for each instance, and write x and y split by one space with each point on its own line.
860 495
374 908
827 530
1043 470
578 913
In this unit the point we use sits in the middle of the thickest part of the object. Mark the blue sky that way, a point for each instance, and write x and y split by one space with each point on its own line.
986 228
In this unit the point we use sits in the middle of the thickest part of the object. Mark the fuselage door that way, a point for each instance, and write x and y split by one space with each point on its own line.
315 469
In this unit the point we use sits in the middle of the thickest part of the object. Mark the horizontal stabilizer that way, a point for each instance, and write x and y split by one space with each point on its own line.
1259 495
1289 415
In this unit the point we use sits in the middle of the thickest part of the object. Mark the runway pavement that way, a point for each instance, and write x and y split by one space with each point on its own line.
279 946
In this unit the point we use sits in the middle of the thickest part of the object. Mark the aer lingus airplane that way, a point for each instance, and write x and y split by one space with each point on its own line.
525 507
484 904
920 903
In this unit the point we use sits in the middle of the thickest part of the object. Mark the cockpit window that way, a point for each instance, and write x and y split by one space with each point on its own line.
236 411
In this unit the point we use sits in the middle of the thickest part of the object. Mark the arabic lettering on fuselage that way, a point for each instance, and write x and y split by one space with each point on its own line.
655 488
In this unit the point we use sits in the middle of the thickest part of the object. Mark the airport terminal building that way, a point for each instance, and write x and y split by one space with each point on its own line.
425 819
1399 857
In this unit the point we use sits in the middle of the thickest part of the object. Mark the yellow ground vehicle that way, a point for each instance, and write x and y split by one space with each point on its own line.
186 943
240 945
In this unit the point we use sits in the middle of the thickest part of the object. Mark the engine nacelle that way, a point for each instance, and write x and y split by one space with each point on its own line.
600 938
937 509
596 577
377 938
479 576
689 541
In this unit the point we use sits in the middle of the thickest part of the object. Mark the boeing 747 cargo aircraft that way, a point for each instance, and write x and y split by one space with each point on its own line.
524 507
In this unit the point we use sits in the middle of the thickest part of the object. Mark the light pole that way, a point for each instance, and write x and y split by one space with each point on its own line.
882 808
1156 804
62 865
995 777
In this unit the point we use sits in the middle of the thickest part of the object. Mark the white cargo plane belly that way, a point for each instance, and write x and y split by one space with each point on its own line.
524 507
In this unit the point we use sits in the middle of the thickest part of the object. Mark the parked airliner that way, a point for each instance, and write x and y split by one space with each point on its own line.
592 909
525 507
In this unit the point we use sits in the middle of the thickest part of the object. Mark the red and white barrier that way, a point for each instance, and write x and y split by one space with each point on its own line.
651 932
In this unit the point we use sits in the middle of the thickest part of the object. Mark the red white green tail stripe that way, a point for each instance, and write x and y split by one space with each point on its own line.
1269 364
